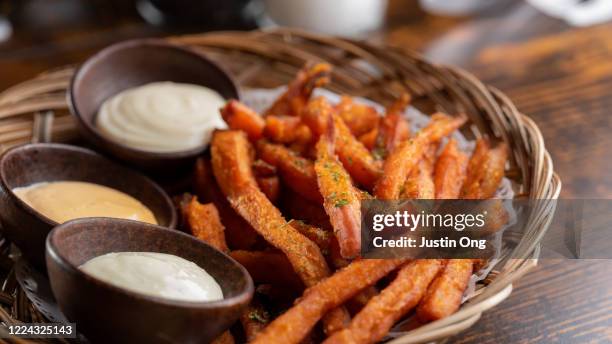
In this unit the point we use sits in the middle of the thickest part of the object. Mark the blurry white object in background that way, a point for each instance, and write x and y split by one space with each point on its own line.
458 7
5 29
334 17
576 12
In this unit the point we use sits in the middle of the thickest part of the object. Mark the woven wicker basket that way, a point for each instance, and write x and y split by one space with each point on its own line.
36 110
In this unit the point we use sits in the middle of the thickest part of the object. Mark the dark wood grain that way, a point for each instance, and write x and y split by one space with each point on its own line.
558 75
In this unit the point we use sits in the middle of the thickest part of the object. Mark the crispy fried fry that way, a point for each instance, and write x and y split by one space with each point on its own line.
450 171
287 129
319 236
340 199
392 129
355 157
406 156
300 89
485 171
419 183
443 297
369 139
232 168
239 234
267 180
205 224
269 267
360 118
297 173
240 117
376 318
293 325
254 320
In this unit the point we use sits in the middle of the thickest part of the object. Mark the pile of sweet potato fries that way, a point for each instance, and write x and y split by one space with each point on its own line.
281 194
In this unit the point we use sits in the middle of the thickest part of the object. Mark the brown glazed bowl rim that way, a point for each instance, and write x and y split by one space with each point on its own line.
134 43
75 149
70 268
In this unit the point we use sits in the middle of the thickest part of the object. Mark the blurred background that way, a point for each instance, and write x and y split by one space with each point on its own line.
553 58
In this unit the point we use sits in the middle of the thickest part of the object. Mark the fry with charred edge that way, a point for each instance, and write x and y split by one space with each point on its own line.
340 200
298 173
355 157
443 297
231 161
293 325
286 129
485 171
406 156
269 267
360 118
300 89
254 320
240 117
204 223
239 233
374 321
450 171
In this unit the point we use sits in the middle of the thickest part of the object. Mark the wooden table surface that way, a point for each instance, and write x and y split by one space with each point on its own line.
558 75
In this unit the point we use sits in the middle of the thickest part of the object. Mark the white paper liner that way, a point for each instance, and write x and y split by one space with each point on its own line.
261 98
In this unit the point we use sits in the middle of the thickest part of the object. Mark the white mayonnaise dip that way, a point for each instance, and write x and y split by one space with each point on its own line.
162 116
156 274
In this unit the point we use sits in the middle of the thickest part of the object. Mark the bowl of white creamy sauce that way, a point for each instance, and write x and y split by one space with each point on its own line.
155 274
150 103
162 116
126 281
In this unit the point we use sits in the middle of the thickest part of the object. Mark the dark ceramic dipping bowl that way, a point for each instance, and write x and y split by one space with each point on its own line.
135 63
108 314
47 162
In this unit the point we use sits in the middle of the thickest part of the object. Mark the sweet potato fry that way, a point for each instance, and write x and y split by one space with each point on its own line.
297 173
369 139
393 128
376 318
300 89
240 117
239 233
406 156
293 325
443 297
269 267
254 320
450 171
419 183
485 171
267 180
355 157
232 168
204 223
340 199
287 129
360 118
319 236
231 161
